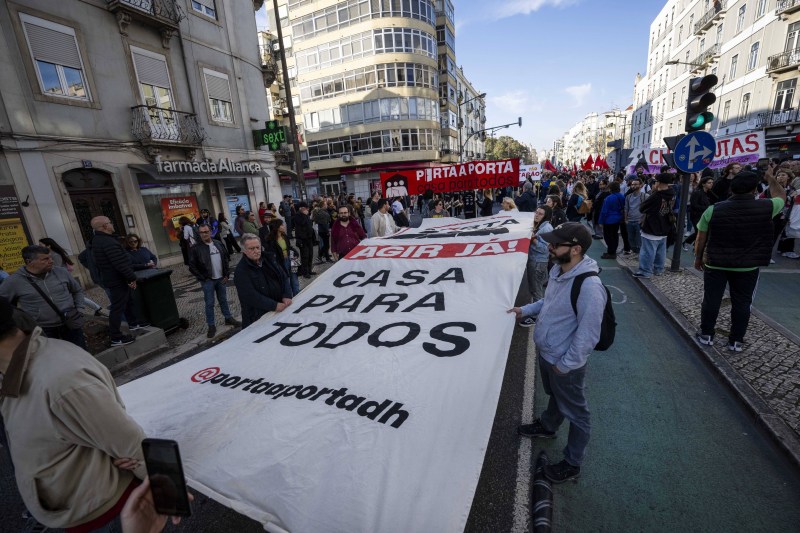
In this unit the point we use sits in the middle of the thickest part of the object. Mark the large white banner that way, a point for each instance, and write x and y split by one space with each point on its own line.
367 404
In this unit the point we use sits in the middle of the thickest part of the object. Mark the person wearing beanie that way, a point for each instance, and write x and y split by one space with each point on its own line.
734 239
76 452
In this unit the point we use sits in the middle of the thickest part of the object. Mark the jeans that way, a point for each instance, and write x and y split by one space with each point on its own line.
634 235
611 236
210 287
75 336
294 282
324 246
742 288
652 257
567 400
121 305
537 276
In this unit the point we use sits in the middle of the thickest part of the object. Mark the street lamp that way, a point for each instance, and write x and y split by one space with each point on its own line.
461 124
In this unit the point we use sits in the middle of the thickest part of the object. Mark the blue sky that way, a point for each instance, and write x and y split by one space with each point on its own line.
551 61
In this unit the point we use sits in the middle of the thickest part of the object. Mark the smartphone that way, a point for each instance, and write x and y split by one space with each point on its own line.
763 163
167 483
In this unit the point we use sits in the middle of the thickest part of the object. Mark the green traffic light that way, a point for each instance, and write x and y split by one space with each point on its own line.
702 119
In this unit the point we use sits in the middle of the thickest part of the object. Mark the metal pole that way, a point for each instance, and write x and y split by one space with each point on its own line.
459 123
678 246
287 86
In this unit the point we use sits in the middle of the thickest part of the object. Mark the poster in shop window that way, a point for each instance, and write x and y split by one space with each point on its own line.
367 404
13 233
175 207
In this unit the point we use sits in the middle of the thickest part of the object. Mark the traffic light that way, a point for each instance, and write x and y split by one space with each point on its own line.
700 98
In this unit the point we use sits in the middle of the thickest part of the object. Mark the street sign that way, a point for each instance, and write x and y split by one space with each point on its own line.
695 152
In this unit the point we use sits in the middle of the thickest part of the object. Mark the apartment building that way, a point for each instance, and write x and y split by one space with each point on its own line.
142 111
376 88
749 44
591 136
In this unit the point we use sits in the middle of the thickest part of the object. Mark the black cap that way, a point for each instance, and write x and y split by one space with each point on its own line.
744 182
569 233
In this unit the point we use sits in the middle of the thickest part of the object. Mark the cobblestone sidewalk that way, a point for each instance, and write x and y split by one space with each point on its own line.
191 306
770 361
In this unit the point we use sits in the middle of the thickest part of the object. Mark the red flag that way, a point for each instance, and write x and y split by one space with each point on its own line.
605 165
598 163
587 165
574 167
549 166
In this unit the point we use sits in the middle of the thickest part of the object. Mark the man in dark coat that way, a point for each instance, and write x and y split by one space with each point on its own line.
526 202
262 285
115 268
304 235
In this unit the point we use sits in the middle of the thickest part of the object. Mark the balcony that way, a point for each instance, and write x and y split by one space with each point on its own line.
705 58
783 62
662 36
157 125
269 67
711 16
787 7
164 15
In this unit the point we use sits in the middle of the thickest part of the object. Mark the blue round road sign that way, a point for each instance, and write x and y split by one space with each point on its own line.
695 152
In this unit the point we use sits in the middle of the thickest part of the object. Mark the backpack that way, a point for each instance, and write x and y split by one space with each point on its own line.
608 328
86 258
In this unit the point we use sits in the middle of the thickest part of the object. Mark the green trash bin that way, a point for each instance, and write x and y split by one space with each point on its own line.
155 300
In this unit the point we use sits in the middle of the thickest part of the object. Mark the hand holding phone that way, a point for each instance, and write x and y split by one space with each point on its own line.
167 482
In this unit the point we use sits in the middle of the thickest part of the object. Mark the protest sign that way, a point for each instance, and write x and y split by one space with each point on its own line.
367 404
452 178
533 172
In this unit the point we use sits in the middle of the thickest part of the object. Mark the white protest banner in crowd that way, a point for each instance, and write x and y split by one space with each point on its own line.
533 172
367 404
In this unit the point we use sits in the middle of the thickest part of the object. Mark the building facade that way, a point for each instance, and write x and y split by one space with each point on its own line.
140 111
376 88
752 47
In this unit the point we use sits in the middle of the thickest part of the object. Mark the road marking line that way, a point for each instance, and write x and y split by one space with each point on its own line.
522 496
624 297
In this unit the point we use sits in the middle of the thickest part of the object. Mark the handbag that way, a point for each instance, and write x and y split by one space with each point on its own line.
71 318
584 207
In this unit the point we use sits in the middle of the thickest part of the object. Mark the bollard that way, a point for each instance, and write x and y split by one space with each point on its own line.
542 497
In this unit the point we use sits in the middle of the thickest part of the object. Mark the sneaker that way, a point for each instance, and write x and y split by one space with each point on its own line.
771 261
140 325
708 340
99 312
735 346
659 273
536 430
641 275
232 322
685 247
527 322
626 252
792 255
561 472
212 332
122 341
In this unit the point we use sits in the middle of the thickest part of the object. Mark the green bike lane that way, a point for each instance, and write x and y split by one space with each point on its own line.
671 445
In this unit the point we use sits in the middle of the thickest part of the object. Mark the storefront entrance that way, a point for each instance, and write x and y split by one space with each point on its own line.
92 194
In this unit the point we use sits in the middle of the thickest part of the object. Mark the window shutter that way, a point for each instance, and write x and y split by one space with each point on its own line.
207 3
53 46
151 71
218 86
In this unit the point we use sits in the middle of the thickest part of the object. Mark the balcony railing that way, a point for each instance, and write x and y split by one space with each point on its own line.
705 58
662 36
712 15
160 125
787 7
160 13
777 118
269 67
784 61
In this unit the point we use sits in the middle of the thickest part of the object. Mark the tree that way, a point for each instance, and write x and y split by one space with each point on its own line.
506 147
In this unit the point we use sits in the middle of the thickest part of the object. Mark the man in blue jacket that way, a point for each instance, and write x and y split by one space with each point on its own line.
564 341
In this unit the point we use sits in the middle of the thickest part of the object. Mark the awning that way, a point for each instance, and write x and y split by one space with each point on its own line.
152 171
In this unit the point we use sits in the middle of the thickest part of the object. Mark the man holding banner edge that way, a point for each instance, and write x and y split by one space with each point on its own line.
564 339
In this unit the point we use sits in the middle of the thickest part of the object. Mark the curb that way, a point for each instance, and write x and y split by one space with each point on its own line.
765 416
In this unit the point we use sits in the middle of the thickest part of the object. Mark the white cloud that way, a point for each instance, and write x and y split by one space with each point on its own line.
510 8
579 92
514 103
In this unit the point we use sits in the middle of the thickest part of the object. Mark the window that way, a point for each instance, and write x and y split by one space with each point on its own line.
206 7
719 33
726 111
761 8
740 20
785 95
683 93
680 34
702 45
55 54
744 109
220 102
156 92
732 72
792 37
672 102
686 63
752 61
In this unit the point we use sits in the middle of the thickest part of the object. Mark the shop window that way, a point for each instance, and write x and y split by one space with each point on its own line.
220 101
56 57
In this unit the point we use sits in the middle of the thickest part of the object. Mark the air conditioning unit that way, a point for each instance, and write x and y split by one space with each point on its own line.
347 158
276 46
285 110
277 112
443 102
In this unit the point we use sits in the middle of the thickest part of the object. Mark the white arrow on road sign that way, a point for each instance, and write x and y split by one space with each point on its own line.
693 143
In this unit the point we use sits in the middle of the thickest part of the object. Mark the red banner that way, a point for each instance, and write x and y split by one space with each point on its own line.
452 178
